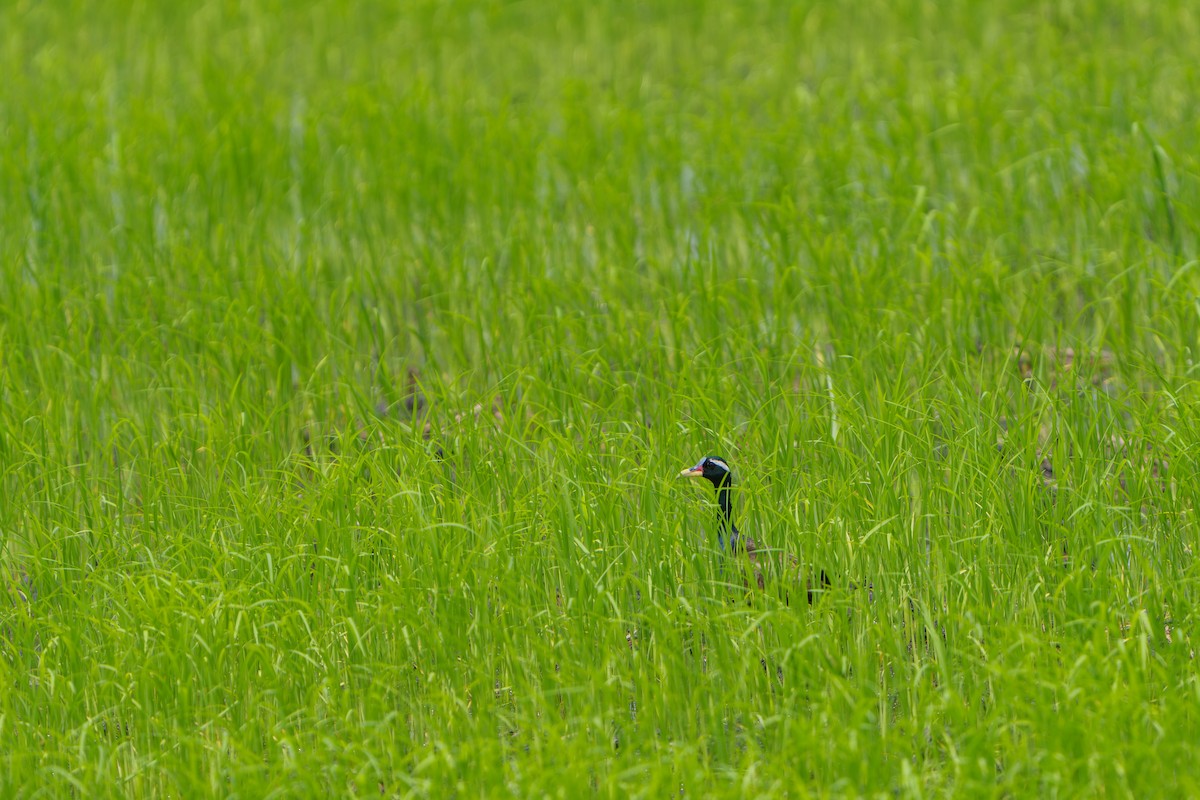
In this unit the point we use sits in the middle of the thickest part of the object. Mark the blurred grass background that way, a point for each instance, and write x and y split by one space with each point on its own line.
349 352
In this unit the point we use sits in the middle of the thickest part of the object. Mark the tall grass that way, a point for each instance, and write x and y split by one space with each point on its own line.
349 352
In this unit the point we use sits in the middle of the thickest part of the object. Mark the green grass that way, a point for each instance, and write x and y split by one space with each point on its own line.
847 246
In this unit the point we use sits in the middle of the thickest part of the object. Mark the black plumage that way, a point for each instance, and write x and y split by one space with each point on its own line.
717 472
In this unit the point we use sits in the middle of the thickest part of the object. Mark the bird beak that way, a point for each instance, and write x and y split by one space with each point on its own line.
692 472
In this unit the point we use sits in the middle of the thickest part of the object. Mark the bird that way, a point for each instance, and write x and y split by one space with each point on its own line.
716 471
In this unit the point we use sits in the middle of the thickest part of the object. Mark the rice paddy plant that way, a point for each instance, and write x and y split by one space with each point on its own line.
350 352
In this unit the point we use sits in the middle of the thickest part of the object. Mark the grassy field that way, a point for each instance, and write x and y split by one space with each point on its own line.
349 354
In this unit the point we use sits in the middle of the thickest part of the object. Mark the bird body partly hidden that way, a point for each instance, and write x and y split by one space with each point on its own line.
717 472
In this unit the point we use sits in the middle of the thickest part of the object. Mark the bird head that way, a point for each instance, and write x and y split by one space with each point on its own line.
712 469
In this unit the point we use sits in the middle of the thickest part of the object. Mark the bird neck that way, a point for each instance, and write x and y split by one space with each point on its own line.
725 501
